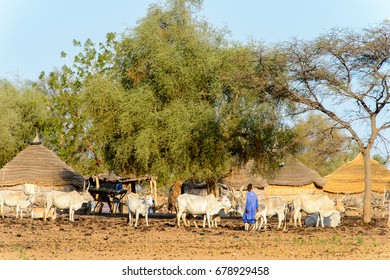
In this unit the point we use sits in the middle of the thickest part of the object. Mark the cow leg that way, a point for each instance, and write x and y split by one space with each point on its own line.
208 219
53 214
46 212
215 221
146 219
130 219
2 212
178 216
185 220
136 218
265 222
280 219
204 221
296 214
71 213
300 218
284 219
322 220
257 226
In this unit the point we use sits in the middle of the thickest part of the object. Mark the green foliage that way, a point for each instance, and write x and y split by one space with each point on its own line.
379 159
192 103
22 111
323 147
171 98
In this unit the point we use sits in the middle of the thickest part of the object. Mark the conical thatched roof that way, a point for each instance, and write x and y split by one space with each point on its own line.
243 175
38 165
349 178
295 173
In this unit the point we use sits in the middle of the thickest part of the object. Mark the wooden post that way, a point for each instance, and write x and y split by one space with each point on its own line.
97 182
153 190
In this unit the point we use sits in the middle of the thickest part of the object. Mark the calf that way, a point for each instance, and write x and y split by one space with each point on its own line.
24 204
316 203
275 205
38 213
138 205
261 215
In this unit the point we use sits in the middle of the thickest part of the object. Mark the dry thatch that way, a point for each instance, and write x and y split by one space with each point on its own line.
240 176
38 165
349 178
294 178
295 173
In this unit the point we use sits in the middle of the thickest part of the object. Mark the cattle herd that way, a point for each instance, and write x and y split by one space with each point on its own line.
185 205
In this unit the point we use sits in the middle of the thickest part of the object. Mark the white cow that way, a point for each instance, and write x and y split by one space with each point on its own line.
272 205
18 199
200 205
23 205
138 205
214 217
275 205
66 200
261 215
315 203
39 212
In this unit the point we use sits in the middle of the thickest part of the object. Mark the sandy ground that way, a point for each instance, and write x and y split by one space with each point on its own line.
99 237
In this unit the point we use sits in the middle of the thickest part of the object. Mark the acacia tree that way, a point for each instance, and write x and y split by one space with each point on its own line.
68 129
23 110
321 146
184 101
345 75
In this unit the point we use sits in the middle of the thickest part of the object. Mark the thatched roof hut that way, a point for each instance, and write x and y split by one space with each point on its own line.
349 178
293 178
38 165
243 175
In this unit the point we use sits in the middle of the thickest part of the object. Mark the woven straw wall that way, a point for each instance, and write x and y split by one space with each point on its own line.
349 178
288 192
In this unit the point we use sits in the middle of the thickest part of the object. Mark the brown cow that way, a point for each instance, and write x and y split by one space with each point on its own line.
174 193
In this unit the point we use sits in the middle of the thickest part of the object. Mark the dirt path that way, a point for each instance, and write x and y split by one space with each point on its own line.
110 238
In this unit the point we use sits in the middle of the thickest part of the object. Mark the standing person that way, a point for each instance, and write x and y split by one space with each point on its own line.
251 207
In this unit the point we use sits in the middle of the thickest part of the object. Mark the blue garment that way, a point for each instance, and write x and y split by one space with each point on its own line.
251 205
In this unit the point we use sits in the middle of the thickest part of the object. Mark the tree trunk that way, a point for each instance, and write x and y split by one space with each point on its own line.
212 187
367 208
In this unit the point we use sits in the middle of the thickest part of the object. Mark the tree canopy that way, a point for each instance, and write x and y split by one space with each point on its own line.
23 110
345 75
184 101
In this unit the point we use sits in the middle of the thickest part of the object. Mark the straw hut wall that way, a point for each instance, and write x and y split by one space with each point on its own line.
293 178
349 178
39 166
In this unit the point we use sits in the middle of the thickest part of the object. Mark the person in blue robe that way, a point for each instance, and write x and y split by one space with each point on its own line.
251 207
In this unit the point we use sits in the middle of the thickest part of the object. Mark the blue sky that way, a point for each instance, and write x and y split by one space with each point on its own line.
33 33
